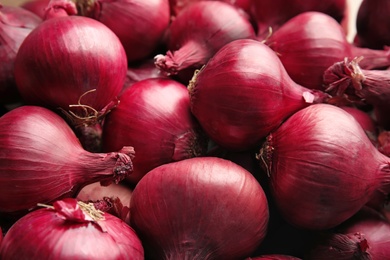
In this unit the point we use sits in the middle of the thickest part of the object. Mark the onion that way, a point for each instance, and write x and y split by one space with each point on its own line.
373 24
44 160
322 167
274 13
346 78
139 24
154 117
177 6
199 208
310 42
15 24
36 6
117 195
238 98
191 44
364 236
274 257
384 142
70 230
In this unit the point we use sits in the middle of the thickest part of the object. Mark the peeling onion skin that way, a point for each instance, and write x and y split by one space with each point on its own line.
42 160
154 116
243 93
213 209
323 168
47 234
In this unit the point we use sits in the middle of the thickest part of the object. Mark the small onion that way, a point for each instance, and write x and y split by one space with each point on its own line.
70 229
42 160
199 208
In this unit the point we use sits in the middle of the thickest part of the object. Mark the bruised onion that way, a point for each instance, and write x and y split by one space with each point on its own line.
191 44
15 24
310 42
139 24
199 208
70 229
244 92
154 116
323 168
42 160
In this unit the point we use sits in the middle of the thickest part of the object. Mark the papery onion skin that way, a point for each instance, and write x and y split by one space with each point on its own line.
64 58
274 13
47 234
42 160
15 24
36 6
243 93
191 44
322 167
213 209
154 116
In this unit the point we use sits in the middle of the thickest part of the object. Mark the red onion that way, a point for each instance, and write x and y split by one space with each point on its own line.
274 13
44 160
139 24
191 44
199 208
154 117
364 236
365 120
347 79
373 24
322 167
118 195
239 98
15 24
311 42
384 142
274 257
36 6
177 6
70 229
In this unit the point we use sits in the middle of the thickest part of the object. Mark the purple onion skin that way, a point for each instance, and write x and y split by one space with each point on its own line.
48 235
15 24
65 57
42 160
154 116
213 209
243 93
322 167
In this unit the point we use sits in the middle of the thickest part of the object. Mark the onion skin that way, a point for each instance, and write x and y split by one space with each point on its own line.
154 116
44 154
274 13
384 142
36 6
53 74
15 24
67 232
238 98
139 24
213 209
322 167
176 6
190 45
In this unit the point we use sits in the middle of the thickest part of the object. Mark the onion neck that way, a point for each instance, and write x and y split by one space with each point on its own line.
60 8
190 144
189 254
191 55
372 59
87 8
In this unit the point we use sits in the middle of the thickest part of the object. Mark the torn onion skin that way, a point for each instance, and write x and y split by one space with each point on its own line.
45 161
238 98
323 168
70 229
183 221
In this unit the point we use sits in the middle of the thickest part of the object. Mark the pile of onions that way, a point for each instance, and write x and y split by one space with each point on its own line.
244 92
347 79
45 161
154 116
70 229
274 13
323 168
191 44
366 235
310 42
139 24
36 6
373 24
199 208
15 24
